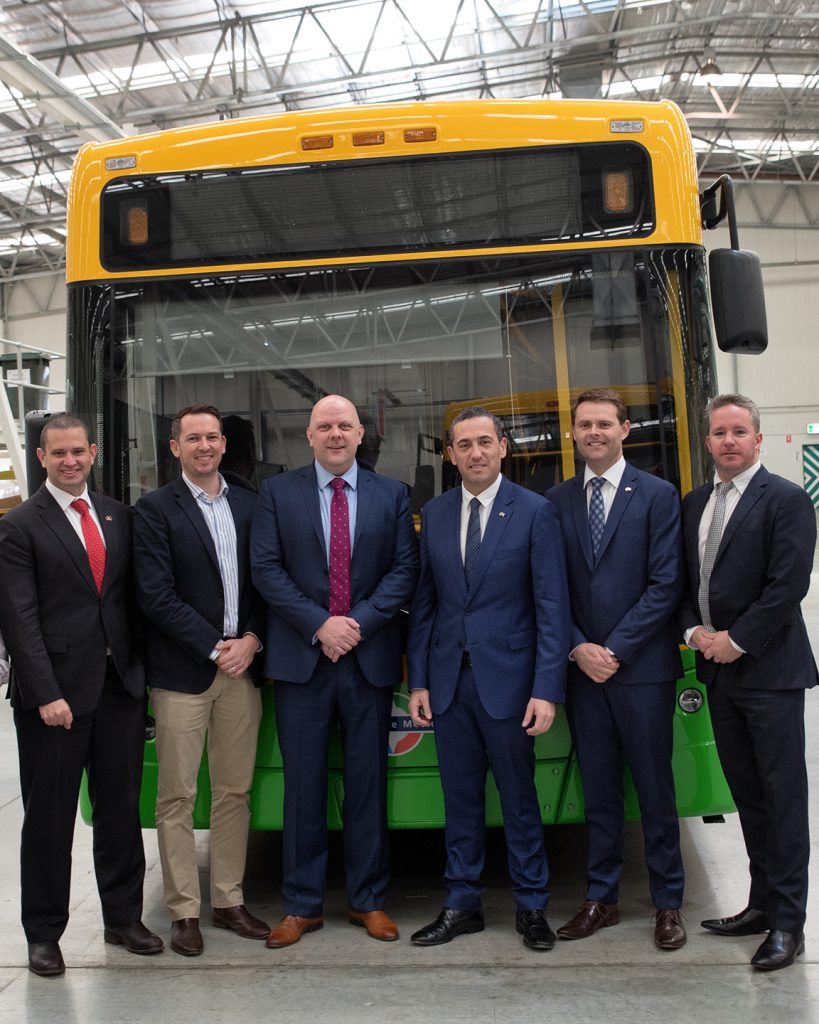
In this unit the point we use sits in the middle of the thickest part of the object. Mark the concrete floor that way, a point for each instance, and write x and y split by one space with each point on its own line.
339 975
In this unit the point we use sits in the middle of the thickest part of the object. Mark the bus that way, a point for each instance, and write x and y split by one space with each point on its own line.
417 258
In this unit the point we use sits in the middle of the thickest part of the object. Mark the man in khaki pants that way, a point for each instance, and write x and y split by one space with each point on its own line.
191 567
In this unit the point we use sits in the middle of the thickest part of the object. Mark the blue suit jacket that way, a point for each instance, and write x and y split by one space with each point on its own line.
290 571
625 599
179 586
760 576
514 617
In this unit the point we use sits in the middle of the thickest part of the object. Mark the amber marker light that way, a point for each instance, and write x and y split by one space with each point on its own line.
368 138
317 142
420 134
617 191
136 225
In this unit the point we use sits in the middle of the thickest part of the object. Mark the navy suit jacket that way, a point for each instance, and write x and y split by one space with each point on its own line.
760 576
290 571
56 625
625 599
514 617
179 586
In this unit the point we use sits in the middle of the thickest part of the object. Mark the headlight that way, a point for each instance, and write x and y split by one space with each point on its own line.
691 700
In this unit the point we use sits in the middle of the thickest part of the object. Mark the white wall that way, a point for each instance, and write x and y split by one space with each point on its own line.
784 380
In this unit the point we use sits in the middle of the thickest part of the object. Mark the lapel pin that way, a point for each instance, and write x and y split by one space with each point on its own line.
501 515
109 519
627 489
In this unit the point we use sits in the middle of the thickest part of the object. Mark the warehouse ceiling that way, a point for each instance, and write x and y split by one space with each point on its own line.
745 73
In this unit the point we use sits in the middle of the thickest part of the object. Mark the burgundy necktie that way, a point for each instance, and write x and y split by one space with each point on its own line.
339 550
93 542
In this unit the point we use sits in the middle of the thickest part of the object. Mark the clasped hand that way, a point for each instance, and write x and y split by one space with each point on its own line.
338 636
715 647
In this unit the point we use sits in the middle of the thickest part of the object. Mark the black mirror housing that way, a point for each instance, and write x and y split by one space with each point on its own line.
738 300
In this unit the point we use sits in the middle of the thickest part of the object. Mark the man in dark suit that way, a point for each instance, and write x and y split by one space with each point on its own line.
204 623
78 693
488 639
622 531
335 556
749 543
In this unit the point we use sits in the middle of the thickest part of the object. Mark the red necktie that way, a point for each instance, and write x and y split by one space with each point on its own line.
339 549
93 542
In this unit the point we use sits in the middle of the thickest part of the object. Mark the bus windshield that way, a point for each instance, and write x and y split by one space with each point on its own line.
408 343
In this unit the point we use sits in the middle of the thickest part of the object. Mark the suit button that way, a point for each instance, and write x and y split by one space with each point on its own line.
467 611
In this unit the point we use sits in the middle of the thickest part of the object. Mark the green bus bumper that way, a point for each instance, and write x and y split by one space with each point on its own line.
414 796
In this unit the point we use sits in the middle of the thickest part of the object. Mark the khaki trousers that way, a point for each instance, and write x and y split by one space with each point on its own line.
228 713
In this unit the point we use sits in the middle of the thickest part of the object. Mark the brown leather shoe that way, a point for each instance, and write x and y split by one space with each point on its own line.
290 929
135 937
669 930
45 959
240 920
186 939
378 924
591 916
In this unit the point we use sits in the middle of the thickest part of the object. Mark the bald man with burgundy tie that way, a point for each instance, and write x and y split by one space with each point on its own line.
78 692
334 554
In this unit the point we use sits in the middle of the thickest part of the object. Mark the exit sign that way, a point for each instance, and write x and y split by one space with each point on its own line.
813 428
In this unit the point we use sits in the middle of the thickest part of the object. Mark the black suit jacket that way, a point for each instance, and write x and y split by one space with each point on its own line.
56 626
760 576
179 586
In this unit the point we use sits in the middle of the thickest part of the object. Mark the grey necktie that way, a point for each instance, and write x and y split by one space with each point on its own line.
712 542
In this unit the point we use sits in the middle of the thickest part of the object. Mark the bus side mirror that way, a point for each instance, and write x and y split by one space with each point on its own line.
738 300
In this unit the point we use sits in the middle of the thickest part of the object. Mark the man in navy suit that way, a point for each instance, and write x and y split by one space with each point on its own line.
488 639
622 530
749 542
204 624
335 556
78 692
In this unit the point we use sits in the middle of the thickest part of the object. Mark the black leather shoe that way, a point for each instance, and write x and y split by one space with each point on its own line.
240 920
186 939
779 950
447 925
45 959
534 928
135 937
746 922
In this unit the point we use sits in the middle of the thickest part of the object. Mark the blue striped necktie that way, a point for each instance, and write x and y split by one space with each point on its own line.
597 513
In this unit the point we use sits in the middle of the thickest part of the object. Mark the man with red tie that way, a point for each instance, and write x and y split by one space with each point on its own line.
334 555
78 693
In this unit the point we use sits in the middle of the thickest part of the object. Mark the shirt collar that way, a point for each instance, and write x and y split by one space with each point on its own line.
741 480
487 495
63 498
324 476
202 495
614 474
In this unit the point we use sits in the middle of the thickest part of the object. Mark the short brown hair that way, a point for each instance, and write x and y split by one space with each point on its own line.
720 401
63 421
602 395
197 409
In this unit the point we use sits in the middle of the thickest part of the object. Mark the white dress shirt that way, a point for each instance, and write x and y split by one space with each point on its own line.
64 499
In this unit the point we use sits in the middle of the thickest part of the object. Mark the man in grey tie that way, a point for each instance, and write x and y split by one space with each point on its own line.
487 646
749 543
